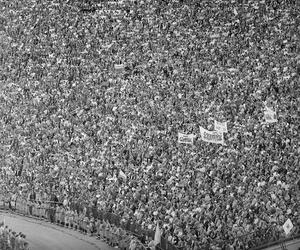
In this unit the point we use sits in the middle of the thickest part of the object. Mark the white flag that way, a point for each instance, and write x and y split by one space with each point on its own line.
288 226
221 126
211 136
270 116
186 139
157 236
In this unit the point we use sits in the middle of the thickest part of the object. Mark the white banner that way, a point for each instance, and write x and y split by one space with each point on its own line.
221 126
212 136
186 139
270 116
119 66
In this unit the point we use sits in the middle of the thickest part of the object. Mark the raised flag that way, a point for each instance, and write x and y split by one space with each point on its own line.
270 116
211 136
157 236
221 126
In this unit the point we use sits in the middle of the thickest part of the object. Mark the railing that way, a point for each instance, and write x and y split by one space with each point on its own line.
133 228
47 210
9 240
274 239
253 240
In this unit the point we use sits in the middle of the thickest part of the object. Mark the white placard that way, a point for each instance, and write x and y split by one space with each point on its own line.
288 226
212 136
185 139
221 126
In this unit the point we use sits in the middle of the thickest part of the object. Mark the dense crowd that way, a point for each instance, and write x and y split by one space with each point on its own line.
93 96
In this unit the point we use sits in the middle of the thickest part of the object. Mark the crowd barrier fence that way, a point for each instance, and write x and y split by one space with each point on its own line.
8 239
47 210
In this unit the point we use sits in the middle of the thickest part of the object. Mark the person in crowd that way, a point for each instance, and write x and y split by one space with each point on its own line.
31 201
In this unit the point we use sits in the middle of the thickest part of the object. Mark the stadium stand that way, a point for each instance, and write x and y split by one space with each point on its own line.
178 117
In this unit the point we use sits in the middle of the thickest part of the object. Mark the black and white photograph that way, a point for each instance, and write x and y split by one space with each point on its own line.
150 124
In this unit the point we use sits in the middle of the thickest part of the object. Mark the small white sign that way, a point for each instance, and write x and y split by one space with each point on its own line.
119 66
186 139
270 115
221 126
288 226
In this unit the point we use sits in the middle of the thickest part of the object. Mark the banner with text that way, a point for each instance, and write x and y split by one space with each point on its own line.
212 136
186 139
119 67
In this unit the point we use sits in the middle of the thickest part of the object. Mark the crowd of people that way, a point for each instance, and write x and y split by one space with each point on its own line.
94 94
10 240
